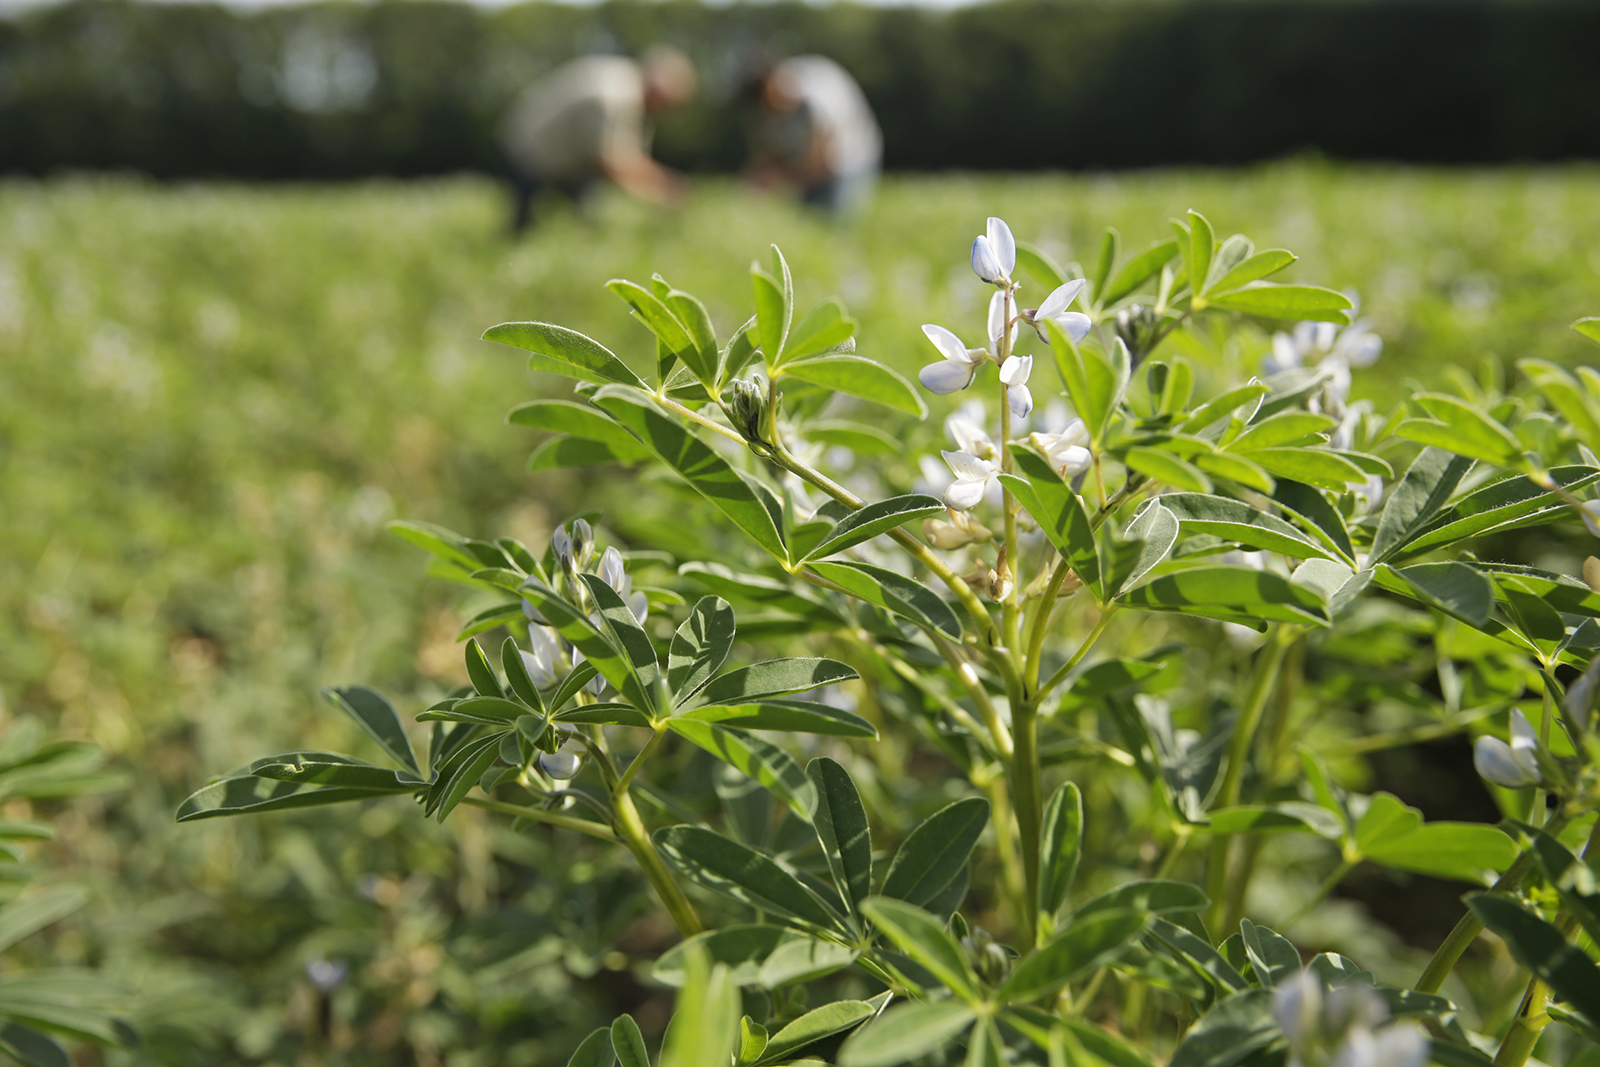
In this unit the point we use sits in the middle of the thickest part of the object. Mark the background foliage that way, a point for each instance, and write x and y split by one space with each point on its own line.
410 87
212 399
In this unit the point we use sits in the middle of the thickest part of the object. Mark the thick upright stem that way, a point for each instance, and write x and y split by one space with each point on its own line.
1244 732
1527 1027
631 832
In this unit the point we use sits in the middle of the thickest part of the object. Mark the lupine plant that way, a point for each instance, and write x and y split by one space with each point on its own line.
1136 617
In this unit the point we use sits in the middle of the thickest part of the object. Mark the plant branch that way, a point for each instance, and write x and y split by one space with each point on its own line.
550 818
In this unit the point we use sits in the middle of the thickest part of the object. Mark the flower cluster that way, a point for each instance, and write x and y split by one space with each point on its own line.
1339 1027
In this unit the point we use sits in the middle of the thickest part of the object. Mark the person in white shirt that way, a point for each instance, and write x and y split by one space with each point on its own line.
589 120
812 129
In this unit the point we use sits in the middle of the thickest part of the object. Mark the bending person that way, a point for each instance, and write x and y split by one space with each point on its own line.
813 129
590 120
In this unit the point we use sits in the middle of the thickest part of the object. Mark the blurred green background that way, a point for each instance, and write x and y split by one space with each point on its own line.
213 396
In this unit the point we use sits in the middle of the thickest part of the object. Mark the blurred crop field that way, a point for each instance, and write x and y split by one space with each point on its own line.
213 396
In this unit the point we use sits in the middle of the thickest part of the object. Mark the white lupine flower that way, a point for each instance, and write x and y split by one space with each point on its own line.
616 576
994 253
965 430
544 661
1074 324
1298 1005
973 478
1591 516
561 764
1513 766
1337 1027
1067 452
1401 1045
999 304
960 364
1358 345
1014 375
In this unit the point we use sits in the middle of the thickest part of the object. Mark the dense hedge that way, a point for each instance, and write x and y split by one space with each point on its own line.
414 86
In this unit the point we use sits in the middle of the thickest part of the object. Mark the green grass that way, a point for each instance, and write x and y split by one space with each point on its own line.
212 397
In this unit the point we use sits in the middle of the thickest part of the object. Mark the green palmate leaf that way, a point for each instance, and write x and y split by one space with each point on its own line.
842 830
1237 468
378 718
858 376
1312 511
700 646
1272 957
905 1032
789 716
604 714
1201 243
517 677
481 674
923 938
1061 847
459 774
1220 407
815 1025
1165 467
1460 428
338 772
574 626
772 678
803 960
740 873
1086 944
252 796
874 519
1231 594
1456 589
622 626
563 351
442 543
936 851
741 948
702 356
659 319
30 914
1393 834
1284 428
1329 470
1253 268
1560 592
1294 302
774 311
1136 271
1424 491
1199 954
892 592
491 618
1541 948
827 327
1060 515
563 451
765 762
1242 524
697 464
1095 383
577 420
594 1051
1230 1032
1507 504
1160 896
627 1043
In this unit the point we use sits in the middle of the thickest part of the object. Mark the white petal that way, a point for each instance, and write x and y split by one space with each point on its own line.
561 541
639 604
1591 516
1285 352
1305 337
1495 763
984 262
1524 743
1402 1045
945 377
1020 399
1074 324
1298 1005
1072 461
967 435
949 345
1060 299
1004 245
998 305
968 467
1076 433
611 569
539 672
1326 332
963 495
1016 370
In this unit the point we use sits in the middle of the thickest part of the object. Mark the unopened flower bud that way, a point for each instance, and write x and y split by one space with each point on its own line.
990 960
1000 585
1140 329
582 543
1591 573
747 406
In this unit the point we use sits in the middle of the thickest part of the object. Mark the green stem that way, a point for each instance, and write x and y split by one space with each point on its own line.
638 761
1328 885
1077 657
1041 623
551 818
1527 1027
631 832
1467 930
1028 798
1244 731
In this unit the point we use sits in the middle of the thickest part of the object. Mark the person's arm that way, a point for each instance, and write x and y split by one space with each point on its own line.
643 177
